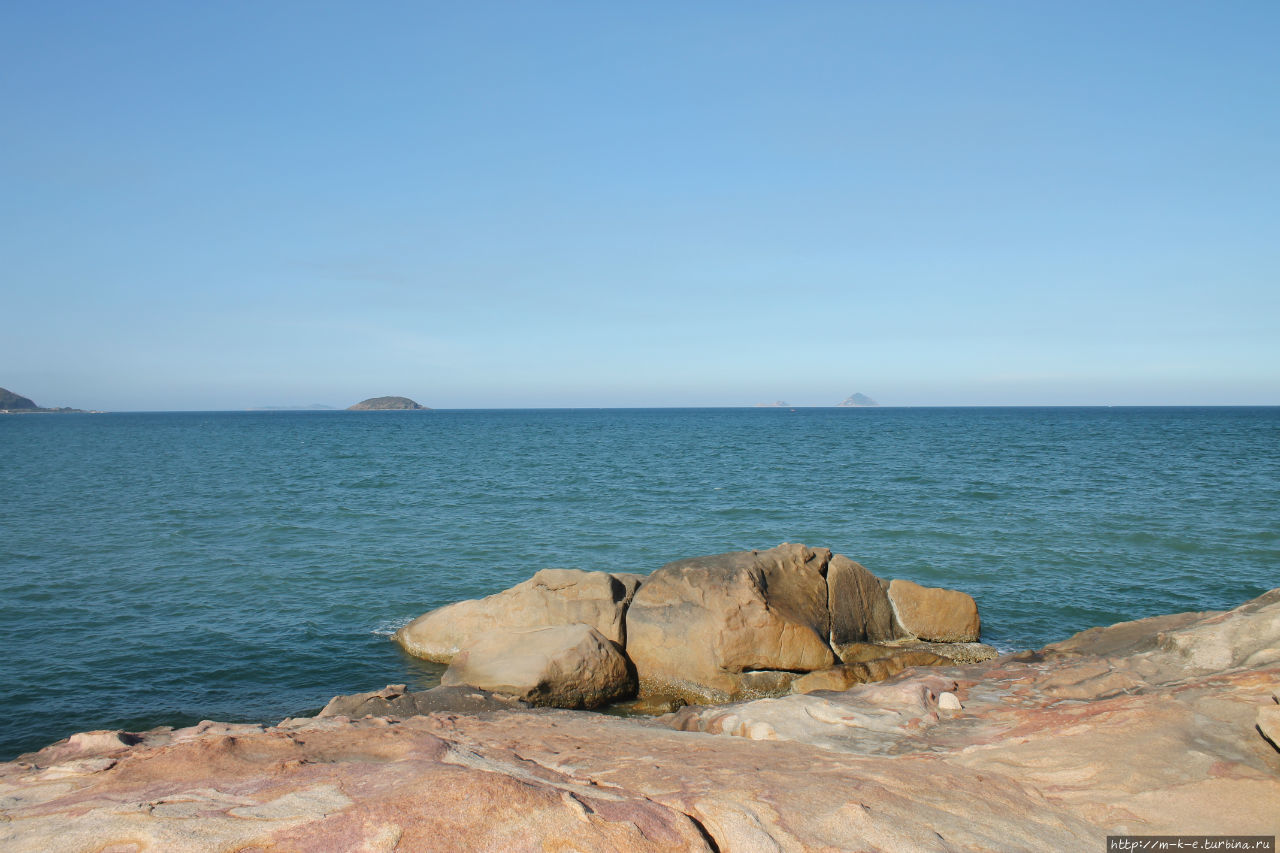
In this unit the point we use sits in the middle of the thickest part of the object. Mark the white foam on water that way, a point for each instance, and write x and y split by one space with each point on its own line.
387 627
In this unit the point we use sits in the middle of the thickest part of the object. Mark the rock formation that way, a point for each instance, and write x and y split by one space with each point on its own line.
550 597
385 404
563 666
940 615
731 625
717 628
1144 728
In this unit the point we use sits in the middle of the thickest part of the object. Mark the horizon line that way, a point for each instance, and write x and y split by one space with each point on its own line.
336 409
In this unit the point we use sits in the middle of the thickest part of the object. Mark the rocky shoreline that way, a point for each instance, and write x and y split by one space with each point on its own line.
1163 726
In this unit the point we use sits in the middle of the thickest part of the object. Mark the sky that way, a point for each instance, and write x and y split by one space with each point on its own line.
511 204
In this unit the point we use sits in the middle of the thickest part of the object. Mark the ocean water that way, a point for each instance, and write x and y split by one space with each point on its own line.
170 567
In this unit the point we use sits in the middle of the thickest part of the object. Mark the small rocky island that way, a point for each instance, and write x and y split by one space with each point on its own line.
386 404
857 401
16 404
828 710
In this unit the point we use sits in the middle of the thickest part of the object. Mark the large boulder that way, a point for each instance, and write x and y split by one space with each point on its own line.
550 597
732 625
931 613
563 666
859 604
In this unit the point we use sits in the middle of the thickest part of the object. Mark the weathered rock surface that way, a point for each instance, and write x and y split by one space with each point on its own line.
1128 730
953 652
550 597
731 625
859 605
888 766
395 701
385 404
845 675
930 613
719 628
562 666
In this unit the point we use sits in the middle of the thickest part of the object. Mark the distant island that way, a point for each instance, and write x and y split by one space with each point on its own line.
16 404
386 404
857 401
775 405
310 408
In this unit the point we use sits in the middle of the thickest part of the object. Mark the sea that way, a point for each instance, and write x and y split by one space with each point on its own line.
164 568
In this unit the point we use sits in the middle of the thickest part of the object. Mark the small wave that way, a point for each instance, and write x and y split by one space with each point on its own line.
387 627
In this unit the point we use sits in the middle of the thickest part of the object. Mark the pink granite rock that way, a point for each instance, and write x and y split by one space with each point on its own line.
1048 753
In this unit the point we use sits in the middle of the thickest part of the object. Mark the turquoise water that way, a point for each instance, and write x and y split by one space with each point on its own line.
166 568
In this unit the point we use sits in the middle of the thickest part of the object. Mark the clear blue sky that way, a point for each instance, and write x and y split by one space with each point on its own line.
235 204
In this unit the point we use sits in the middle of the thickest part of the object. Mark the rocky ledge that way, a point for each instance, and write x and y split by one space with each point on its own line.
1164 726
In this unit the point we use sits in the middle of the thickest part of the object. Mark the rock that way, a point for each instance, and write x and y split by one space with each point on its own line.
101 741
949 702
883 766
953 652
1268 723
730 625
386 404
844 676
550 597
331 785
859 604
649 706
394 701
956 652
564 666
930 613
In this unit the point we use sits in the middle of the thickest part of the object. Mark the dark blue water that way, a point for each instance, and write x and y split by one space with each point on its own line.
165 568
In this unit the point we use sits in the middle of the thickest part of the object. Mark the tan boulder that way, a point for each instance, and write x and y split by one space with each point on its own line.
844 676
550 597
859 604
731 625
931 613
562 666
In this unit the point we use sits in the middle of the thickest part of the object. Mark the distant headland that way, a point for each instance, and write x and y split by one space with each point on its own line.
16 404
386 404
857 401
